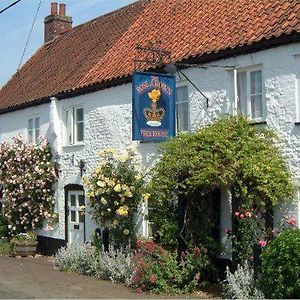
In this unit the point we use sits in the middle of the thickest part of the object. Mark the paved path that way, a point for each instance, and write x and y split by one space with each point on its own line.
36 278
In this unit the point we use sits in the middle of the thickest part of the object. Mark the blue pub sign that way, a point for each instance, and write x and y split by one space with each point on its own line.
153 106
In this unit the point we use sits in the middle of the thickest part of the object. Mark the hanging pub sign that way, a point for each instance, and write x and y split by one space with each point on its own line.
153 106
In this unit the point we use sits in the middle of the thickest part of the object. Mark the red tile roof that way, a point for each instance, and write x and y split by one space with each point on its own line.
102 50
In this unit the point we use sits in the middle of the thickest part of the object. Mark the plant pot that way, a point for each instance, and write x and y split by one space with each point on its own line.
25 249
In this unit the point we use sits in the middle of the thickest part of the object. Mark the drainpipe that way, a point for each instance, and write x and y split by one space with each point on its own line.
235 106
56 134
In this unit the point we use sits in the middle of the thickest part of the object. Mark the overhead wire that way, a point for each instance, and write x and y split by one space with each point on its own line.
9 6
29 35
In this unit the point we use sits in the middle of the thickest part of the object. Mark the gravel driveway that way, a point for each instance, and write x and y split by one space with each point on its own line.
36 278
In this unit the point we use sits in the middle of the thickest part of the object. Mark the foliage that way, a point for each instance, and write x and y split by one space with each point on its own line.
229 154
114 190
241 284
114 265
27 175
158 270
3 226
6 247
75 258
28 238
280 276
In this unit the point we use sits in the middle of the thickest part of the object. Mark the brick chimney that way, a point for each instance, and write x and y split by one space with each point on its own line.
57 22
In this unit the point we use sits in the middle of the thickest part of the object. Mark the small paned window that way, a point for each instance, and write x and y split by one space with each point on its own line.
250 94
182 109
74 125
33 130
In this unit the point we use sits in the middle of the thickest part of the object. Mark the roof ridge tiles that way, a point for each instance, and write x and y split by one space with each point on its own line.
101 51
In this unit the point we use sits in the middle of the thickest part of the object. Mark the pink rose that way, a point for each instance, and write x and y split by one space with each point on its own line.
236 213
248 214
152 278
242 216
262 243
292 222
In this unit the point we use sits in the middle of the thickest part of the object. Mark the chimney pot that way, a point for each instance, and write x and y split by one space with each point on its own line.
62 9
54 8
57 23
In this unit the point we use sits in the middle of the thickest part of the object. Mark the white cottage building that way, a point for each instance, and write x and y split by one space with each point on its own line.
76 89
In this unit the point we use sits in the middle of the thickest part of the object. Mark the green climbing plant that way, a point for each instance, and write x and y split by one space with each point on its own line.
230 153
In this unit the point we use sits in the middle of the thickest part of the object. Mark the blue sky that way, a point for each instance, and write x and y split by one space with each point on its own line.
15 24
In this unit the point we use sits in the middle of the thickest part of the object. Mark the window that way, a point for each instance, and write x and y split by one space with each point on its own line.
33 130
182 109
74 125
250 96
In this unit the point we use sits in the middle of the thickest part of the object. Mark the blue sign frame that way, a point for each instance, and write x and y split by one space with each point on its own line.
153 106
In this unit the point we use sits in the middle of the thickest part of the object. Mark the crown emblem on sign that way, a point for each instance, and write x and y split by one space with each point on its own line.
154 115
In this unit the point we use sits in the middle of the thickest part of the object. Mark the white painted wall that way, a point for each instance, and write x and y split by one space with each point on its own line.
107 117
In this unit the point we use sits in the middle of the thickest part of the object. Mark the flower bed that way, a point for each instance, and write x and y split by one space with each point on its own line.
148 268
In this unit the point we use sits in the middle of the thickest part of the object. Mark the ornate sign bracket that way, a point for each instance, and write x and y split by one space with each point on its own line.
151 55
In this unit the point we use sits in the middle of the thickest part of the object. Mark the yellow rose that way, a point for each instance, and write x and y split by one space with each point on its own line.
128 194
126 231
101 183
146 196
117 188
124 187
122 210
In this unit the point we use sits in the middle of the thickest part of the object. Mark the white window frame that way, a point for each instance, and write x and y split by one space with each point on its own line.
74 139
180 85
34 130
248 71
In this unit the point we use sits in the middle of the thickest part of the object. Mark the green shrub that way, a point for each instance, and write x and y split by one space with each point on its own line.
6 248
3 226
280 276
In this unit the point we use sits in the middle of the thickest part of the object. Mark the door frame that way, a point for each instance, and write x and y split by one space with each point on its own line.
68 188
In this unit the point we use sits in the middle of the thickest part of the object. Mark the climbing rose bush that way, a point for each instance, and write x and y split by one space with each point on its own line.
27 175
114 189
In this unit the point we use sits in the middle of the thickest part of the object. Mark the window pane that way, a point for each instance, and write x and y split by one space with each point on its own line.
37 123
81 217
81 200
30 136
182 116
69 131
73 216
256 106
255 82
242 92
181 94
79 132
79 114
73 200
30 124
37 134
